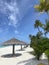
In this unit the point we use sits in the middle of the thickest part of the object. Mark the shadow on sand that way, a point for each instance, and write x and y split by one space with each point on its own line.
11 55
33 61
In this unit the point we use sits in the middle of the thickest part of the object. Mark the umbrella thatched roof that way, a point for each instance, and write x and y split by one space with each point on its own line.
14 41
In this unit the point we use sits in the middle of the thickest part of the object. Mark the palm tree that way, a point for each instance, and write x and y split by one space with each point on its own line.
32 38
38 24
43 6
46 27
39 35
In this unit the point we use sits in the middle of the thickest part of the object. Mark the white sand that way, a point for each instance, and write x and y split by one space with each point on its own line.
24 59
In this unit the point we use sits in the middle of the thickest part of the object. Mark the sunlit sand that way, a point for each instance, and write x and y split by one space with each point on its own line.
22 57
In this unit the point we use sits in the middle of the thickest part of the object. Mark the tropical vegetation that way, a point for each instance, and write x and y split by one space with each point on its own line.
40 42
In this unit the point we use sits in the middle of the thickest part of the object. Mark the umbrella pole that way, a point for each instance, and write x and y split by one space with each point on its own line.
21 47
13 49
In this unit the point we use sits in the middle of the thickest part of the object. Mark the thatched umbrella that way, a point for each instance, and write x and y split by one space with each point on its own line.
14 42
24 43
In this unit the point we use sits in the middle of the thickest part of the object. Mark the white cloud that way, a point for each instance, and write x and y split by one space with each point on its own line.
13 20
16 32
12 7
11 10
14 12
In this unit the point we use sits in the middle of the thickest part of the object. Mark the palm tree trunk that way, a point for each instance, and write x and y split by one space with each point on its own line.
44 34
38 29
13 49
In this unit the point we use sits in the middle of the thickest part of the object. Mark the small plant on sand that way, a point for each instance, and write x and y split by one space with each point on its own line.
41 64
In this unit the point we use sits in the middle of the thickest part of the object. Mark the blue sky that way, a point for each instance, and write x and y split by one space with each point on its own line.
17 19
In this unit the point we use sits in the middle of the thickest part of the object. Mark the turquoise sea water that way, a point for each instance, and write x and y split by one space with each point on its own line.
5 46
2 46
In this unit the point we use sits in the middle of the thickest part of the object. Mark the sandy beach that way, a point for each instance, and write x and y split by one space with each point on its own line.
23 57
